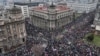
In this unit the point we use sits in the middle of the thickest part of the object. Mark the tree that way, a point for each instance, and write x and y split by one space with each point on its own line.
90 37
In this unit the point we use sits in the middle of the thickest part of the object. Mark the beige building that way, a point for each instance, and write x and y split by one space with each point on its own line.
12 30
51 17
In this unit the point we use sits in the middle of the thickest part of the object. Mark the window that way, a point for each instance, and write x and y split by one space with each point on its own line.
23 39
58 17
25 10
10 40
15 36
14 28
22 33
1 33
0 50
8 29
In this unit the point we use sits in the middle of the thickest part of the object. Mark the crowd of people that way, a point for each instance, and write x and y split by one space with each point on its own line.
71 44
24 50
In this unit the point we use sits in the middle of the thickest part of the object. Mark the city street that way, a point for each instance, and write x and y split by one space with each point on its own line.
74 34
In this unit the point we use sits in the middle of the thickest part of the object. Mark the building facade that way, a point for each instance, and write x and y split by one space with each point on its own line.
12 30
25 11
51 17
82 6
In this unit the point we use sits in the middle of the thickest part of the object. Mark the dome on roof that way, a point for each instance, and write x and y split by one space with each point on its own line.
15 10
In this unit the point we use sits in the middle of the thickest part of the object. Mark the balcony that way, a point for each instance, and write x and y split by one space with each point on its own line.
16 16
1 22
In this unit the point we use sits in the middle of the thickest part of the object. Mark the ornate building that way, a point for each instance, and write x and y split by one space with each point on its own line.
51 17
12 30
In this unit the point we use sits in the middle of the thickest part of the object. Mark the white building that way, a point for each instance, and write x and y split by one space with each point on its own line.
82 6
25 10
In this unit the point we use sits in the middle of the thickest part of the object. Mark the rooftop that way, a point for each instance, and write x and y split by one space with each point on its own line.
58 8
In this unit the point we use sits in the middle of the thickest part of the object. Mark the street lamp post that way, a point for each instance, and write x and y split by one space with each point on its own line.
74 17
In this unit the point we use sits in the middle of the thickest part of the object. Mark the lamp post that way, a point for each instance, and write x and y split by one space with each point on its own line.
74 16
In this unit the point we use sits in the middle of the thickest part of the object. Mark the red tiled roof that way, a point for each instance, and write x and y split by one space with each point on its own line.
58 8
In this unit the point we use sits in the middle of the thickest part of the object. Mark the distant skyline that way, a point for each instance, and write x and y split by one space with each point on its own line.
1 1
82 1
16 0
